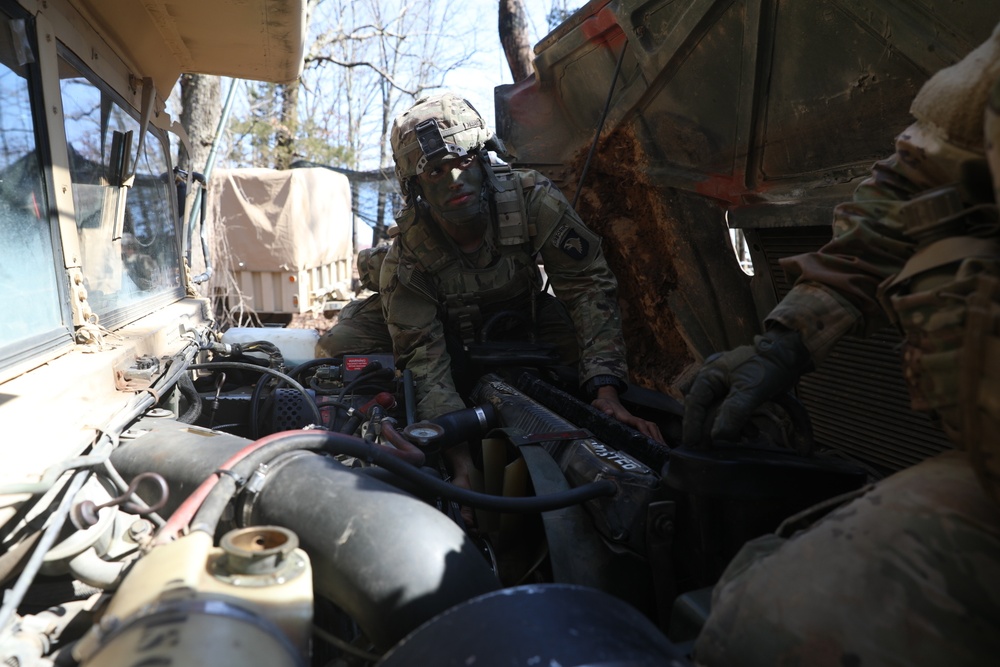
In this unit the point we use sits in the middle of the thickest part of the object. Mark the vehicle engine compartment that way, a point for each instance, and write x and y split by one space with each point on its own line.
169 496
304 507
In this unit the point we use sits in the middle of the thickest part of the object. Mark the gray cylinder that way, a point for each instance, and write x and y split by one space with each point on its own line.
387 559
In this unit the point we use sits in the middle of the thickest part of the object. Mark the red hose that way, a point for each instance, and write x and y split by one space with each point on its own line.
402 448
185 512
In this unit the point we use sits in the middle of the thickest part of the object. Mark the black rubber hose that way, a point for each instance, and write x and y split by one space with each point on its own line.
255 399
208 515
239 365
338 443
395 480
186 386
467 424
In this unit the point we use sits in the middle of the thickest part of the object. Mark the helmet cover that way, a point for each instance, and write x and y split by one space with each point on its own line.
443 124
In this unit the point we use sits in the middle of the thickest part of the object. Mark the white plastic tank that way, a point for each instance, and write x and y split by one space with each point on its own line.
296 345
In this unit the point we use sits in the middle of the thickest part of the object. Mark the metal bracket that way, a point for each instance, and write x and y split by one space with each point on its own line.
659 543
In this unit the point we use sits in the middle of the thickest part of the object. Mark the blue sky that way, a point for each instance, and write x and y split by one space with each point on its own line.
489 67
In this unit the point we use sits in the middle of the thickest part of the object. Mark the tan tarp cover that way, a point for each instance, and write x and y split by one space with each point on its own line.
280 220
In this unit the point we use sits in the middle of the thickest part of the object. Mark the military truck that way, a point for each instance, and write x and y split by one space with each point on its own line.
168 496
130 421
282 242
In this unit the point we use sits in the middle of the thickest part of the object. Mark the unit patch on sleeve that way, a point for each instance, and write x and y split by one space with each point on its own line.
570 242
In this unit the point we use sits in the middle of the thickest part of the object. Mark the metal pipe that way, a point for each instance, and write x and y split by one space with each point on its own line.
197 206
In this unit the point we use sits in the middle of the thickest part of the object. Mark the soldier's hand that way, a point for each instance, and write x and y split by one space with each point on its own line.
608 403
739 382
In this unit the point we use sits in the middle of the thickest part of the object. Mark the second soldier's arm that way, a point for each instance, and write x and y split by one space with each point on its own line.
835 292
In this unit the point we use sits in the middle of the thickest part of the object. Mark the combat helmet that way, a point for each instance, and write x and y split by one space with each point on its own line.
443 124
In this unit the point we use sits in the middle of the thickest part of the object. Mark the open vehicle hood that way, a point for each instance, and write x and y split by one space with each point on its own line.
765 114
750 115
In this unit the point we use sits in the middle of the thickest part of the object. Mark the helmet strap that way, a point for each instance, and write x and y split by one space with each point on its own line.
491 177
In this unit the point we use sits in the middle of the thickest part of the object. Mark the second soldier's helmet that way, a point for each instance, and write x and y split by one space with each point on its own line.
443 124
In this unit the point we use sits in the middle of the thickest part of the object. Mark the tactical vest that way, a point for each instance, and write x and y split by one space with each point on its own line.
946 300
467 296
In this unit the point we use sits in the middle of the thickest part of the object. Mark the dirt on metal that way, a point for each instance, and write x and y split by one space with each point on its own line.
618 202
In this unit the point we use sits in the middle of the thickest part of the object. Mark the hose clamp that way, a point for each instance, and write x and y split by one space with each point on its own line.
252 488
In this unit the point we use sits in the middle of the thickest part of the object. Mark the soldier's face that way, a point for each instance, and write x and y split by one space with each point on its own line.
453 187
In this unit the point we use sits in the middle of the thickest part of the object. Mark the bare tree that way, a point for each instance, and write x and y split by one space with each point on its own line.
513 28
380 56
367 61
201 107
559 12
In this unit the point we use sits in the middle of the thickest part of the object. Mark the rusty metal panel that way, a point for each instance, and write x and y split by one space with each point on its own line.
775 104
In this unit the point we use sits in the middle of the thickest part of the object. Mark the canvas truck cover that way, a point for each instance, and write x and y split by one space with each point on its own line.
284 235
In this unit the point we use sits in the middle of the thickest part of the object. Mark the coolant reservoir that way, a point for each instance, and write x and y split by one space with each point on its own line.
296 345
247 602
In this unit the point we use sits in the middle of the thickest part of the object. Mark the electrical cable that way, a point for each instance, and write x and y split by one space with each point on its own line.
312 363
13 597
294 373
373 372
52 475
597 136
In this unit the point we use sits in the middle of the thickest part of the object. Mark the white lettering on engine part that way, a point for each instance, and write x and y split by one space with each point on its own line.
615 457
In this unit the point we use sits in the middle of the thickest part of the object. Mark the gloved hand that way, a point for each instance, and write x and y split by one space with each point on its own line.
743 379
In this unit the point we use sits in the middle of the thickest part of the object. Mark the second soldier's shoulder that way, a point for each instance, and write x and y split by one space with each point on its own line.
531 180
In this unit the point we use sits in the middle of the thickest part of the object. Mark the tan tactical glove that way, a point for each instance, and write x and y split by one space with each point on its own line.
742 379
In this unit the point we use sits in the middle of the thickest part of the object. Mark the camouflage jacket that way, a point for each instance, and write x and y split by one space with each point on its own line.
837 289
427 283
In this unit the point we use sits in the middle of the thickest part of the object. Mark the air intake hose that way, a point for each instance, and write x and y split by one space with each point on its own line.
386 558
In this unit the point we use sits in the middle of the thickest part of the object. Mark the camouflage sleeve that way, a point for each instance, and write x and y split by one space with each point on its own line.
581 279
836 287
417 335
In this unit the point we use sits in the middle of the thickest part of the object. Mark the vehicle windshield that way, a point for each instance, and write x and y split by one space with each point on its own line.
30 300
133 255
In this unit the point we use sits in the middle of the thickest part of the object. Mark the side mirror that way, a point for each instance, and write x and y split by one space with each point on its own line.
121 154
120 177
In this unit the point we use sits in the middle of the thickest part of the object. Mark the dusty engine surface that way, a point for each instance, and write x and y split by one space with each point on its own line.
262 514
305 508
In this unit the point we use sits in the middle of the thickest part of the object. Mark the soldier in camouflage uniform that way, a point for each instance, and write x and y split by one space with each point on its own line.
909 572
360 327
465 249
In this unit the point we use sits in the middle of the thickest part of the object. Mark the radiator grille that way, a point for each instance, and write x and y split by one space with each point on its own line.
858 400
